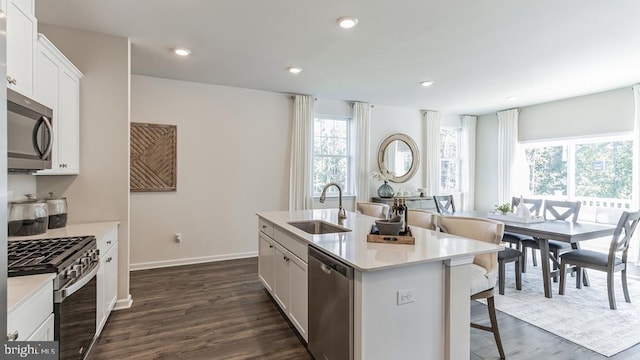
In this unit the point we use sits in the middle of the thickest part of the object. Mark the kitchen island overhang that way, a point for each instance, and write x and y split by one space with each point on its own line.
435 325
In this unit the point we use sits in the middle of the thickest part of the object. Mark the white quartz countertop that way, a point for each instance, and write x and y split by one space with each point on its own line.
21 288
352 247
98 229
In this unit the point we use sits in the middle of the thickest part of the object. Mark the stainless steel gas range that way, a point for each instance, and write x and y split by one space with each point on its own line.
75 261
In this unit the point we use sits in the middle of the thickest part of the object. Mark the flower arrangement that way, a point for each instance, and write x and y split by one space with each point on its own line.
504 208
384 175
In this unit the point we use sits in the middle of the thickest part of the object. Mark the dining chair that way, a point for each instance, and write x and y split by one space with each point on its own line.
554 210
378 210
484 270
421 218
505 256
609 263
444 204
534 206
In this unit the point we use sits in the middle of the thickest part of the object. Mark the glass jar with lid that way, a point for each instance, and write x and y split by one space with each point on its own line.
57 208
28 217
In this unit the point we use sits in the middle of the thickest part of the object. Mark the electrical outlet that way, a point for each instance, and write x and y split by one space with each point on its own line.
178 237
406 296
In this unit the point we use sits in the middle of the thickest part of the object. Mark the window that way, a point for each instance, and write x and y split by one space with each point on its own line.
595 170
331 154
449 160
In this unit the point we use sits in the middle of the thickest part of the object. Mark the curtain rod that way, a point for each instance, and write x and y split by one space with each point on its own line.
293 96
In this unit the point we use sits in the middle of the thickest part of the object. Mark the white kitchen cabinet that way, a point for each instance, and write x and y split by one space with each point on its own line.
22 28
266 253
57 85
282 269
298 307
45 331
281 288
107 278
30 320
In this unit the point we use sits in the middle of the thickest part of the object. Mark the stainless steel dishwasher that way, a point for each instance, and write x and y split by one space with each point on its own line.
330 307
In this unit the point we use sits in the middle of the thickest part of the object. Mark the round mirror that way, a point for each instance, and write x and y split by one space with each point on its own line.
399 154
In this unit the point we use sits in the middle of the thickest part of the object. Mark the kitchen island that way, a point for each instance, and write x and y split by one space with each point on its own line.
431 323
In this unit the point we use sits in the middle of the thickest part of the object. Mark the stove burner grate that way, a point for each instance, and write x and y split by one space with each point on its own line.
38 256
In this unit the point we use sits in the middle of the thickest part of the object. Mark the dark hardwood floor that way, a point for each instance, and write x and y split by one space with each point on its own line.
221 311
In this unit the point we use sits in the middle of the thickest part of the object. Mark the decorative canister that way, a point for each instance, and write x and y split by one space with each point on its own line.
28 217
57 207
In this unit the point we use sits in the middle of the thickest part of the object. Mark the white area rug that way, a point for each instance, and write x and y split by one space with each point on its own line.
582 315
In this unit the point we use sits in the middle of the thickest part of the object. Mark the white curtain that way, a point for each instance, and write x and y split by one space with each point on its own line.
468 157
636 166
507 152
362 119
300 194
431 148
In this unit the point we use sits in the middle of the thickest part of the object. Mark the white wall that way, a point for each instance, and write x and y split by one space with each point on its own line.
388 120
18 185
597 114
233 161
101 191
602 113
486 189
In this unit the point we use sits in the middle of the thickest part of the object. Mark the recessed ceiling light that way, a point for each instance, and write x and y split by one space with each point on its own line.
294 69
426 83
347 22
182 51
510 98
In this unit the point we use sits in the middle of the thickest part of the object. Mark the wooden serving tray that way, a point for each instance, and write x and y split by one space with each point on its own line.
403 238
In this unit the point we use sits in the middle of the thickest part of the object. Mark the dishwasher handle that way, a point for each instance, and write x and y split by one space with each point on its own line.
329 264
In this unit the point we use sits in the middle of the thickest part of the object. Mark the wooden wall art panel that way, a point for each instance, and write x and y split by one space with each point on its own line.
153 157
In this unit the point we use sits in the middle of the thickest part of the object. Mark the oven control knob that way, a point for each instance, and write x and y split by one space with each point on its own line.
74 272
94 255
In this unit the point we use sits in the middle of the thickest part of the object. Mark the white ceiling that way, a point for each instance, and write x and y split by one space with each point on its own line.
478 52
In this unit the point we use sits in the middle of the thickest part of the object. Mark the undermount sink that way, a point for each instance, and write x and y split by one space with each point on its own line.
316 227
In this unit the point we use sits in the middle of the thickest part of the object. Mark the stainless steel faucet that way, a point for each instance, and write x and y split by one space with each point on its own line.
341 213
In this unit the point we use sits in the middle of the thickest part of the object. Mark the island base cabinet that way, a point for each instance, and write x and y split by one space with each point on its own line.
298 295
284 274
281 285
266 255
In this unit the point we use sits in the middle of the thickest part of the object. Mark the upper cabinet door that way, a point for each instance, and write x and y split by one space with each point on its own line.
57 85
21 44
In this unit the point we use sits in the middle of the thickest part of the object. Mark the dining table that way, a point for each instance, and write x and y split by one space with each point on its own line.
542 232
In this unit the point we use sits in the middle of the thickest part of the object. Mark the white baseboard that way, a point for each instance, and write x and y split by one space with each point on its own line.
122 304
190 261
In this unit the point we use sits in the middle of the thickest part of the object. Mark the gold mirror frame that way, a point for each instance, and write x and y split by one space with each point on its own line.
415 163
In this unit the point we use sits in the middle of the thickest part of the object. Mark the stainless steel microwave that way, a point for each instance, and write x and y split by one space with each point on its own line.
29 134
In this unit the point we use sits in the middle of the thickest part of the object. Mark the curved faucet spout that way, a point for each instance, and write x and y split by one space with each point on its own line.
341 213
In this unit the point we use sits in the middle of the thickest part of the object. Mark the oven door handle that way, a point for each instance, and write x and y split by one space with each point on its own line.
65 292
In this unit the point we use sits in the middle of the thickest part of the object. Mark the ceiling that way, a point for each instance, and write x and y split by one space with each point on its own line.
477 52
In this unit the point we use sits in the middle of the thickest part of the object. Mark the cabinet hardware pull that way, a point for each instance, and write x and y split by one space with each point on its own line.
108 242
270 246
12 336
11 81
109 259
